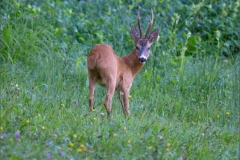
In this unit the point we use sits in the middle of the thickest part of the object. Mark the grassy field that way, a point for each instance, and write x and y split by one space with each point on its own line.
185 101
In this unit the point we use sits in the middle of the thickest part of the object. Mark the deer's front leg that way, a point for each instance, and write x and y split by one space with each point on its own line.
123 97
125 102
110 92
124 93
120 96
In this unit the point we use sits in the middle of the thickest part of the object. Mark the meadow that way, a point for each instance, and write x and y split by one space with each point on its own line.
184 103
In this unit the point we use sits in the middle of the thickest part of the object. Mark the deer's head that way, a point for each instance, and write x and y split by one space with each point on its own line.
143 44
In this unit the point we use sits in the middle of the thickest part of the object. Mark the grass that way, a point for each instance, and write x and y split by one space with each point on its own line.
184 105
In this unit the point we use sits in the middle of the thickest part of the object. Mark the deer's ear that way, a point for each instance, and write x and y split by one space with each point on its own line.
153 36
134 34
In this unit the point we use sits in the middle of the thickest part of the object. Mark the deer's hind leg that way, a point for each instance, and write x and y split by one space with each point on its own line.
92 84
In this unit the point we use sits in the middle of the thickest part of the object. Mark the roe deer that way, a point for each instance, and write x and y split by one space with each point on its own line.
117 73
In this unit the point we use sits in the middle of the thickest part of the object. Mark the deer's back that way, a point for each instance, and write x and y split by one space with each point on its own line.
101 56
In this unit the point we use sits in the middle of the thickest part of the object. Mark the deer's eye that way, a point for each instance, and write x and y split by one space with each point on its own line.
148 48
137 48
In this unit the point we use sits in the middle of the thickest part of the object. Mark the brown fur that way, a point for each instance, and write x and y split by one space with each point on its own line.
114 72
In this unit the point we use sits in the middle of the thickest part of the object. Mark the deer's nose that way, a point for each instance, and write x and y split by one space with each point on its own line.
142 59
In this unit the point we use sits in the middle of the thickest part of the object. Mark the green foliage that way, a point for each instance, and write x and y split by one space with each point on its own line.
184 102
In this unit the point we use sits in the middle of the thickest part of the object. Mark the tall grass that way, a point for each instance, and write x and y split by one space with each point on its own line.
185 101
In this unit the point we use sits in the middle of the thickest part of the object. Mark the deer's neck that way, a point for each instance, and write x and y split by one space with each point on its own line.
132 61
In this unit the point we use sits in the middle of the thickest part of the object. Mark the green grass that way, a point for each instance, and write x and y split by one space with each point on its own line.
185 101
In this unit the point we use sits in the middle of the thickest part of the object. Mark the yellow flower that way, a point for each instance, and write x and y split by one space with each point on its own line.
43 127
93 110
124 128
27 121
16 85
167 149
128 141
79 150
129 96
82 146
150 148
228 113
1 128
114 134
71 144
168 144
218 116
94 119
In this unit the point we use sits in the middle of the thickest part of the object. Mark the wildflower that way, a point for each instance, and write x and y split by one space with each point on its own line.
150 148
75 101
93 110
82 146
27 121
228 113
94 118
17 134
1 128
62 154
183 148
128 141
129 96
71 144
3 136
43 127
218 34
48 156
167 149
114 134
168 144
160 137
124 128
16 85
102 114
79 150
218 116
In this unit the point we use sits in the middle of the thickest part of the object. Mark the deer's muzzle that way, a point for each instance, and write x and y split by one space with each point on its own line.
142 59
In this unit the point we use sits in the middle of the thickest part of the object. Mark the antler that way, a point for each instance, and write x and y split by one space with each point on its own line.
150 25
139 25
